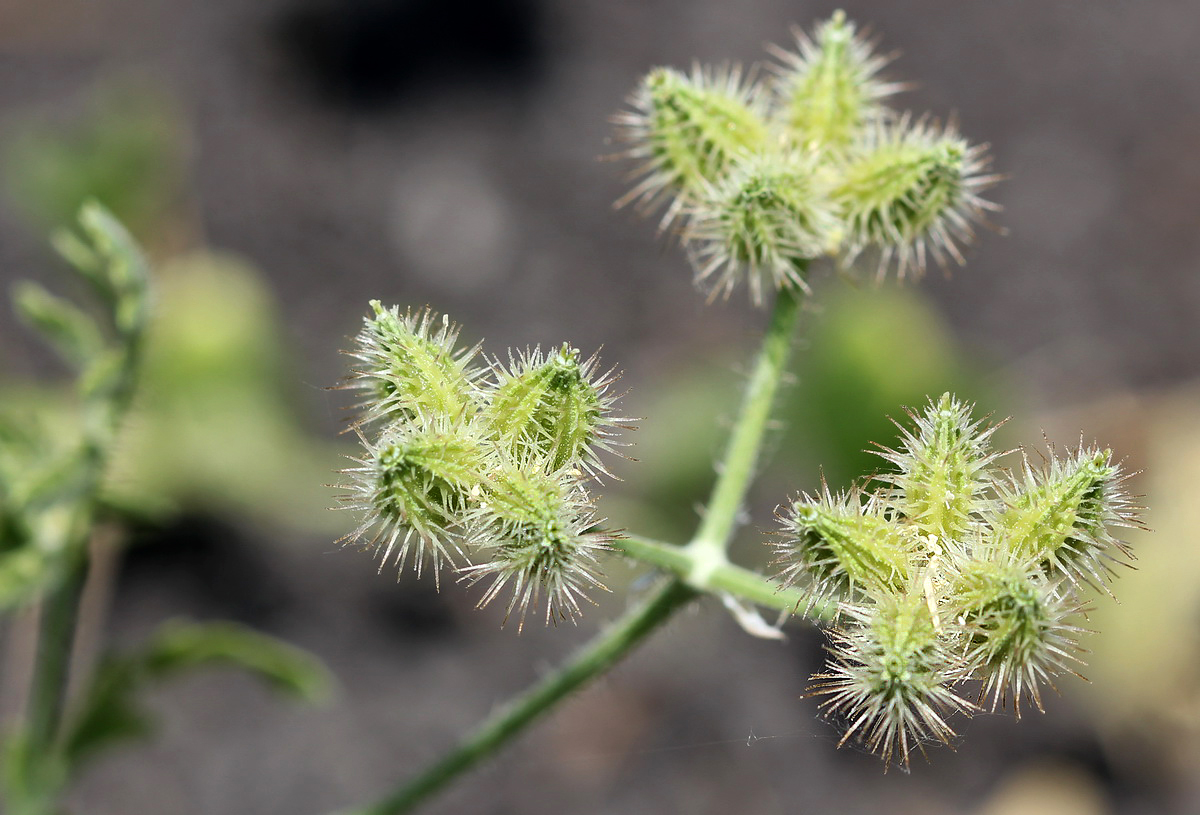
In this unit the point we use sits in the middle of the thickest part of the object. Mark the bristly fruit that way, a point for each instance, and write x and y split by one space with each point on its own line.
1017 633
843 547
829 89
412 487
761 224
1063 515
409 366
685 130
536 530
892 676
458 462
942 470
553 408
909 190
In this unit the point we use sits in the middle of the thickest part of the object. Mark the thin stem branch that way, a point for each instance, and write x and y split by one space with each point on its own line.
727 578
52 662
707 567
741 454
596 658
107 397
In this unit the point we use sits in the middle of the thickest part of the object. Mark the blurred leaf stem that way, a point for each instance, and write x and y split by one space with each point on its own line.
60 516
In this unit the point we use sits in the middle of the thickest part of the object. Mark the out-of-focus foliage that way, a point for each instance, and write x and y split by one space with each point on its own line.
109 711
214 427
50 474
124 150
214 398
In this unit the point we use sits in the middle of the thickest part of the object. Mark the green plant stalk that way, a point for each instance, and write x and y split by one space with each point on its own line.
706 555
596 658
104 411
56 635
724 579
741 455
60 608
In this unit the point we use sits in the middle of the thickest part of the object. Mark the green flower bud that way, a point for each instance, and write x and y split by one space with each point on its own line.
414 486
830 90
685 129
536 530
842 546
553 408
943 471
1062 517
891 677
910 189
1015 627
409 366
761 223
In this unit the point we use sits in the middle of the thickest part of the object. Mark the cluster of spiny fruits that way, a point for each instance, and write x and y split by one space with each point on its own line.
946 571
466 458
951 569
765 174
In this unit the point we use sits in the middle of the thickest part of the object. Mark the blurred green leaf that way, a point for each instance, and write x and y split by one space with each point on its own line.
216 392
870 354
113 262
110 712
180 646
50 476
124 150
30 778
71 332
79 253
25 573
102 376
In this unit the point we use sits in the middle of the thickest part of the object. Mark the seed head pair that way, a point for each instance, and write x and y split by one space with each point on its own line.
949 569
763 175
482 462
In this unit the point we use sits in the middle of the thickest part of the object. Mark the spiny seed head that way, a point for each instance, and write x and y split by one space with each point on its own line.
829 89
492 467
685 129
1016 626
842 546
408 366
952 571
942 470
814 165
536 529
891 678
761 223
553 408
910 189
414 486
1062 516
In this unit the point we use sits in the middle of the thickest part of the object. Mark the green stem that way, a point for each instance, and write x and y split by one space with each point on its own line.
596 658
56 635
727 578
708 569
107 393
741 454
